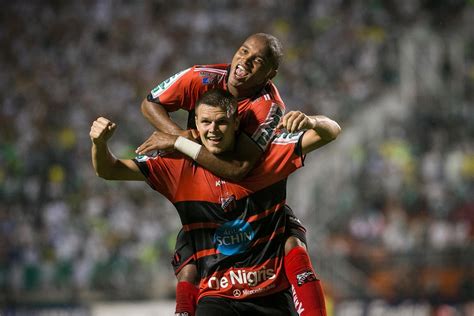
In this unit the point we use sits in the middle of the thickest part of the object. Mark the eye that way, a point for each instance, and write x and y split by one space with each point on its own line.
222 122
259 60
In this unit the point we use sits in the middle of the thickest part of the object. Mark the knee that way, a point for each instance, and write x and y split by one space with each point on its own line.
293 242
188 274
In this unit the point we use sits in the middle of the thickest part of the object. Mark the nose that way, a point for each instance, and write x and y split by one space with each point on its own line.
213 126
247 60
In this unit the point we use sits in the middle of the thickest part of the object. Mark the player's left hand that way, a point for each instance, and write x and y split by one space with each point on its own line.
158 141
295 121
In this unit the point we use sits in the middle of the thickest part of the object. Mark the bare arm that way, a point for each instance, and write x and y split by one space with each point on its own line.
105 164
321 129
157 115
233 166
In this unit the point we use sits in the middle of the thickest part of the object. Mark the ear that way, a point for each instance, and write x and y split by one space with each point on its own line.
272 74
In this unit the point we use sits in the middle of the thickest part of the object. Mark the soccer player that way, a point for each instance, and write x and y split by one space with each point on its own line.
260 107
236 230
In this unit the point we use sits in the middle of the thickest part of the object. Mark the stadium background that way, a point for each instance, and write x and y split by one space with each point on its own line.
388 206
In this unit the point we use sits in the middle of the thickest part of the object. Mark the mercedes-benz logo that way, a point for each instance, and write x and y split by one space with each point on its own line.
237 293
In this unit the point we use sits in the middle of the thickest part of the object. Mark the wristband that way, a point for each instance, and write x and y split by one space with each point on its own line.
187 147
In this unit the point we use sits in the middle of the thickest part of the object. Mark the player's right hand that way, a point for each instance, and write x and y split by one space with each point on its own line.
158 141
101 130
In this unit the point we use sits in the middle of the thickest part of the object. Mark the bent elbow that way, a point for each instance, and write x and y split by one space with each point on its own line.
337 131
145 107
102 174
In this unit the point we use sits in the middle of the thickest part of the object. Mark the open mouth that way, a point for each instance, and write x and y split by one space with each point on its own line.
240 72
214 140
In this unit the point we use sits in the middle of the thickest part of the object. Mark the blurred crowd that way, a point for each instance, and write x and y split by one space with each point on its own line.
66 233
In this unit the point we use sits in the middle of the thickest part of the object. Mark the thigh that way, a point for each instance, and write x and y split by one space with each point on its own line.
183 252
216 306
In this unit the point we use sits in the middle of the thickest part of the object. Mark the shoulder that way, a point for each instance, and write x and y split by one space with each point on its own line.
210 74
214 68
271 93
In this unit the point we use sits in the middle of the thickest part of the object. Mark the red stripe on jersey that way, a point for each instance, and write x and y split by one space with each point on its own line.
206 252
253 218
263 214
279 231
212 251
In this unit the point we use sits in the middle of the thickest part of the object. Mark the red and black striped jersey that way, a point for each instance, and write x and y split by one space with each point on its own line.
236 229
259 114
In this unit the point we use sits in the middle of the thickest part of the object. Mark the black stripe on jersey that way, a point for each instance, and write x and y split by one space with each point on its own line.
201 211
254 256
262 228
143 167
267 243
299 149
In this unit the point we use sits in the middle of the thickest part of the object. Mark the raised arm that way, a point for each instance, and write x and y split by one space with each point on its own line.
106 165
321 130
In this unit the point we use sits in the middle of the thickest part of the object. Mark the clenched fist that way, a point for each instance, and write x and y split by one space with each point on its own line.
101 130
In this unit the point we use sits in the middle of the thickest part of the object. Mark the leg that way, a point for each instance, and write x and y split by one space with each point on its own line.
307 292
186 273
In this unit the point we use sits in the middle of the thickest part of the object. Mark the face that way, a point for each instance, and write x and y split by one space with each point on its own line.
217 131
251 66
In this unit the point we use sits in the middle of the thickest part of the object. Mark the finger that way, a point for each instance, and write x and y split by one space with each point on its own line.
99 125
146 144
288 121
293 123
299 120
111 126
147 148
303 124
140 148
283 121
103 120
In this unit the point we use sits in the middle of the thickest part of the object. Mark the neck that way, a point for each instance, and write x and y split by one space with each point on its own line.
240 94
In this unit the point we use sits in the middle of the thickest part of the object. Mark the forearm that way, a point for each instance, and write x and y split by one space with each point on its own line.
225 167
234 165
103 160
157 115
326 128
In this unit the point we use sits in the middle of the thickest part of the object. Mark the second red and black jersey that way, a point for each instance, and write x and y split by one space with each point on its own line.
259 114
236 229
